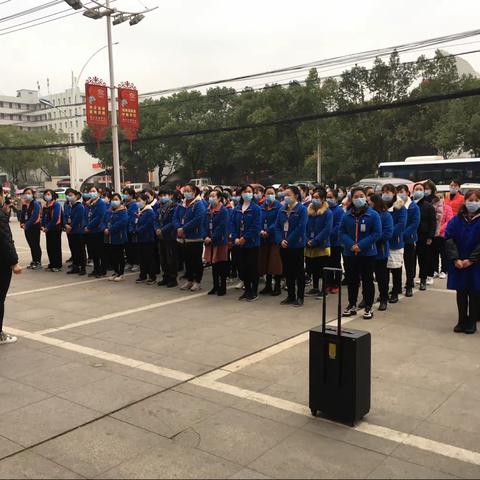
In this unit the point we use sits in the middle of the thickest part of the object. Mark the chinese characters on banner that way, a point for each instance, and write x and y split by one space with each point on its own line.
128 115
96 95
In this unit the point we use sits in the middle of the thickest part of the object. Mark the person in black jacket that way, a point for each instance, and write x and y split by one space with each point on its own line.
426 233
8 264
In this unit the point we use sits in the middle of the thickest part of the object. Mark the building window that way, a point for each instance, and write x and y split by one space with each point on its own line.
84 111
76 123
10 105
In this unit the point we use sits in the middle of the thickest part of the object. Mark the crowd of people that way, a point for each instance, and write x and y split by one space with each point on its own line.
287 236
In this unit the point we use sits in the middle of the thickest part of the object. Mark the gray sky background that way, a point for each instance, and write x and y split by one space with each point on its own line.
187 41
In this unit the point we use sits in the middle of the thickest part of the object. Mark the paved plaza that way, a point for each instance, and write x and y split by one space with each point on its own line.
134 381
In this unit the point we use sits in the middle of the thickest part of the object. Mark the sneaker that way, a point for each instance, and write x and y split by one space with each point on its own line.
29 267
119 278
162 282
252 297
383 306
140 280
135 269
186 286
243 296
350 311
423 286
409 292
313 292
288 301
151 281
195 287
6 338
112 278
298 302
393 298
442 275
435 274
37 266
55 270
429 281
368 314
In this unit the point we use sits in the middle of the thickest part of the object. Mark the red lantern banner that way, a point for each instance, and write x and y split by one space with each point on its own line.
128 112
96 96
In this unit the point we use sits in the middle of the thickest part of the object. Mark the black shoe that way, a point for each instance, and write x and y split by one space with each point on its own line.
244 296
409 292
423 286
288 301
251 297
73 271
172 284
383 306
313 292
459 328
221 292
470 328
213 291
266 291
393 298
82 272
361 304
298 302
162 282
93 274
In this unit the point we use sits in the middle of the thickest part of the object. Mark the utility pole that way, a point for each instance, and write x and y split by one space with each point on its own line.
319 157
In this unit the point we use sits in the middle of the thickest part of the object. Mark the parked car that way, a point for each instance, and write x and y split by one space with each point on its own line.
378 183
469 186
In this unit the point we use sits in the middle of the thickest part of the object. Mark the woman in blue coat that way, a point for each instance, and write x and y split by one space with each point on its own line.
463 248
291 231
319 230
30 221
74 220
334 203
216 242
52 226
270 263
95 209
146 238
116 236
189 222
360 230
131 250
245 229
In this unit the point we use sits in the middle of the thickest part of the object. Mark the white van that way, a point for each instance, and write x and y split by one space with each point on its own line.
200 182
138 187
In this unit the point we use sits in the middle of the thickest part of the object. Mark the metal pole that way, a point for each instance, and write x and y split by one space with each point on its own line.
113 106
319 157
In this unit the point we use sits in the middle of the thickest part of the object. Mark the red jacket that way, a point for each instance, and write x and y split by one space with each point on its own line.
455 203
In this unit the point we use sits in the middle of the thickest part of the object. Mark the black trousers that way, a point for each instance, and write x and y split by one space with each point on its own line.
360 269
247 259
315 268
468 304
410 261
397 280
54 248
294 271
95 247
77 246
117 258
131 250
219 276
147 253
425 259
439 254
192 255
32 236
5 279
335 262
383 277
234 264
167 250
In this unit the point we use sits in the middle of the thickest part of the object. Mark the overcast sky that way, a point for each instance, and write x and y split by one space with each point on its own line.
187 41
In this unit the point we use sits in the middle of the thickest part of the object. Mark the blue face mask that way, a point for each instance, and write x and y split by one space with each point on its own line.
316 202
47 198
258 197
418 194
188 195
141 205
235 199
86 196
472 207
270 198
331 202
387 197
212 202
288 200
115 203
281 195
71 199
28 197
403 196
164 200
359 202
93 195
453 190
247 197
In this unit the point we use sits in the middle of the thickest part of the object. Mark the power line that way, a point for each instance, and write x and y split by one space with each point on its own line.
410 102
30 11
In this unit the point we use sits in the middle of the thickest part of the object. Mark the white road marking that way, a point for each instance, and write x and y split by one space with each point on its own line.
440 290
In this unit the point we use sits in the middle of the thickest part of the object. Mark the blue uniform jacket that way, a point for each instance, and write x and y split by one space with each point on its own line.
191 218
95 216
31 214
76 218
146 225
269 218
383 244
291 225
338 214
164 221
67 209
463 243
117 225
216 226
319 226
399 215
410 235
364 231
52 216
247 224
132 210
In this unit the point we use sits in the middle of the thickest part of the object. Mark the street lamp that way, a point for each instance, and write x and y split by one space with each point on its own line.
104 10
75 4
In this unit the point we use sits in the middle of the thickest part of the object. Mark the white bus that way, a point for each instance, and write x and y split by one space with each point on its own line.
440 171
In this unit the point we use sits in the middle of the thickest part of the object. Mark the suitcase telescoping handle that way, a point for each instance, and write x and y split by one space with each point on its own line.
336 275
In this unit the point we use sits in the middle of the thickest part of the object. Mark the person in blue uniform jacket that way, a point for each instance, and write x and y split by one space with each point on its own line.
74 221
31 222
383 248
463 248
116 236
65 214
246 227
131 250
360 230
270 262
95 209
291 232
334 202
52 227
189 222
146 238
216 242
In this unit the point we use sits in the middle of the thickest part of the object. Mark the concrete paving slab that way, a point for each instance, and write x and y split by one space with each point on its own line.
15 395
247 474
394 468
7 447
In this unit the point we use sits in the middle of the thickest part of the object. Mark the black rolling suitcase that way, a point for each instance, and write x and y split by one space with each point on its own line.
340 367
